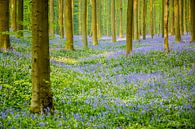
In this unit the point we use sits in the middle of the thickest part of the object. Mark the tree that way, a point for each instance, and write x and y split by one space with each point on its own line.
121 20
177 26
172 17
14 13
113 21
69 25
84 23
60 3
94 22
129 27
181 16
136 19
42 98
4 24
166 15
20 18
163 17
144 18
51 18
151 19
192 21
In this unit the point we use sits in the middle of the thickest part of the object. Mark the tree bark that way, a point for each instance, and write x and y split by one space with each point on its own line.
94 22
14 13
42 98
163 4
84 24
192 21
113 21
177 26
181 16
129 32
121 19
4 24
144 18
51 18
60 4
69 25
151 19
20 18
166 17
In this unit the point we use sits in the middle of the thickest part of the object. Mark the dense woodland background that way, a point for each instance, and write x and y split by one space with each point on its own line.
97 63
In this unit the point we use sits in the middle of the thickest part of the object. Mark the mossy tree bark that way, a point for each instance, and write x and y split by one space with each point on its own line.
4 24
151 19
173 17
166 17
144 18
42 98
129 29
113 21
136 20
20 18
84 23
181 16
94 22
121 20
51 18
192 21
177 26
61 26
69 25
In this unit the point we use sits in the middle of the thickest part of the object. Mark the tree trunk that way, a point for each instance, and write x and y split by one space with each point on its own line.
192 21
181 16
84 23
42 98
144 18
129 32
136 20
166 17
14 13
151 19
177 26
121 19
60 3
20 18
51 18
69 25
4 24
163 19
173 17
99 18
94 22
113 22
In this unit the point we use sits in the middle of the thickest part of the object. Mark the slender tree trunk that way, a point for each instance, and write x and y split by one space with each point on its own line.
177 26
151 19
4 24
61 18
84 23
163 4
184 16
139 18
166 17
99 18
79 16
94 22
144 18
113 22
192 21
20 18
51 18
14 13
136 20
42 98
189 15
181 16
121 19
69 25
129 32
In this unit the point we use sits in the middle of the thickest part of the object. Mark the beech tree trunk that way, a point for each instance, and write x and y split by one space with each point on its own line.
84 23
166 17
177 26
4 24
94 22
42 98
20 18
144 18
151 19
113 22
129 29
69 25
121 20
192 21
51 18
60 4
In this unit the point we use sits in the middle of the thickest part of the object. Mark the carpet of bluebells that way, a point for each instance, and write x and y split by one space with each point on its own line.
101 88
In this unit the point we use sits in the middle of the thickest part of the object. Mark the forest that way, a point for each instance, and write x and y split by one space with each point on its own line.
97 64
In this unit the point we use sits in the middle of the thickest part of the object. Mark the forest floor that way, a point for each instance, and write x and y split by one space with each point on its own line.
101 88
